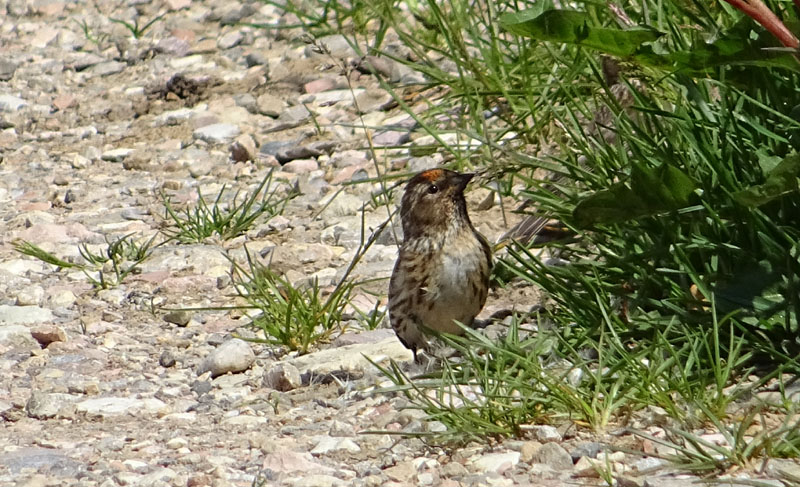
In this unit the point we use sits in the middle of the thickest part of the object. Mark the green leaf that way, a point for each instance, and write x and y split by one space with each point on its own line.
573 27
757 288
652 191
613 205
780 181
740 45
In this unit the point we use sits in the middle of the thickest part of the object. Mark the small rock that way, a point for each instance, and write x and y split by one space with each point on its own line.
270 105
589 449
42 406
108 68
528 449
235 355
7 69
177 443
319 85
554 456
374 100
351 359
340 428
243 149
201 387
301 166
545 433
256 58
496 462
178 317
167 359
391 138
24 314
173 46
328 445
216 133
10 103
229 40
283 377
110 406
116 155
47 334
64 101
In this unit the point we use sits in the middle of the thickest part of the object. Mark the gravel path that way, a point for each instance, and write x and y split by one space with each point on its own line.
96 128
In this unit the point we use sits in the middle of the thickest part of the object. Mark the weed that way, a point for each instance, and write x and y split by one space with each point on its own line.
293 316
226 220
135 29
105 269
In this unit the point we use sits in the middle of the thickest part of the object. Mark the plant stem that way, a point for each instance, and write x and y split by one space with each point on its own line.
758 11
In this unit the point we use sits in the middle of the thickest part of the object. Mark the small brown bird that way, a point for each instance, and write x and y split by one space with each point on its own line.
442 273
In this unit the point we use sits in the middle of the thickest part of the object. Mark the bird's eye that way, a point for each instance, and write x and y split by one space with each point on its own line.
433 189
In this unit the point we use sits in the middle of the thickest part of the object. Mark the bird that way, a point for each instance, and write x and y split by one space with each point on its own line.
441 276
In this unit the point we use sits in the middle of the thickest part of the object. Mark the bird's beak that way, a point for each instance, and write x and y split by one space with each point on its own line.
462 180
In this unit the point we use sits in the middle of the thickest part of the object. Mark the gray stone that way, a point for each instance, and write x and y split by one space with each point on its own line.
589 449
10 103
229 40
256 58
390 138
496 462
554 456
108 68
167 359
116 155
270 105
545 433
283 377
14 315
17 336
43 405
337 44
174 46
234 356
217 133
374 100
112 406
178 317
305 151
52 461
352 358
327 445
7 69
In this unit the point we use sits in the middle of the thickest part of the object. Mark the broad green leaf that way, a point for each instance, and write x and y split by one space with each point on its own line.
741 45
573 27
780 181
613 205
652 191
756 288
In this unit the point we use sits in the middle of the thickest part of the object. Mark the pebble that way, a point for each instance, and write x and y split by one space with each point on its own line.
216 133
11 103
178 317
283 377
110 406
553 455
496 462
24 314
233 356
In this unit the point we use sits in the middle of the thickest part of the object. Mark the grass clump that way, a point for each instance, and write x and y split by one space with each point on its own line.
665 136
104 269
136 30
296 317
225 219
675 163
